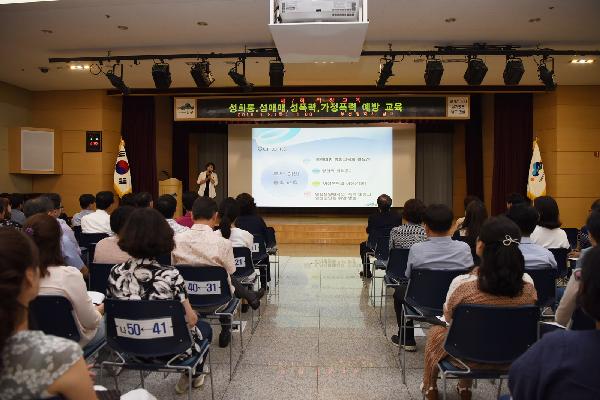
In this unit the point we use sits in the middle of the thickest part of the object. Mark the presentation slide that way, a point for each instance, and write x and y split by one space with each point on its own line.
321 167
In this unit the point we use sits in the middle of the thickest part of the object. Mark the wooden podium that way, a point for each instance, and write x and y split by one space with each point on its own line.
173 187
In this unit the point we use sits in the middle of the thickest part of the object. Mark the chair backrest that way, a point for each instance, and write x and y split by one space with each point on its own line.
259 247
90 240
99 274
544 280
54 316
207 286
164 259
77 233
572 236
243 261
560 255
146 328
428 287
396 265
271 239
581 321
491 334
382 247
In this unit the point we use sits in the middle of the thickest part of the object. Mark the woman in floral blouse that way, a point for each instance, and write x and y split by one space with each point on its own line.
145 236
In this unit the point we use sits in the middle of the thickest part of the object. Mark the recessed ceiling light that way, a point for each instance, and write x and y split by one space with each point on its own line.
202 23
582 61
535 19
123 27
79 67
46 31
450 20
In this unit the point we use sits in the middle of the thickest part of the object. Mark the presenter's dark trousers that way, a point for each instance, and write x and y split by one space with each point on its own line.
364 249
398 301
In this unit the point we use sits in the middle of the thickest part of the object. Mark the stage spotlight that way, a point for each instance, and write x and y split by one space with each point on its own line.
476 70
117 80
433 72
240 79
385 71
161 76
201 74
276 73
546 75
513 71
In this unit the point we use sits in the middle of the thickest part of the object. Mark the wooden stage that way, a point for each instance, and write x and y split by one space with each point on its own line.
318 230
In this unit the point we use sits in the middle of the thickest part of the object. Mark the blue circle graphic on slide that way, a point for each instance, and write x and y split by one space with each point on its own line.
284 179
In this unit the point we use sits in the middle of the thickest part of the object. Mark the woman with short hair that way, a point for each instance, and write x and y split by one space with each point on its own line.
499 280
547 233
208 181
146 236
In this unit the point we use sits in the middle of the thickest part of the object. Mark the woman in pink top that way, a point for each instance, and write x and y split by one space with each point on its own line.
107 250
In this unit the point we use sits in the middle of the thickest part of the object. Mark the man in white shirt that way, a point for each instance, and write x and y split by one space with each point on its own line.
166 205
99 220
200 246
536 256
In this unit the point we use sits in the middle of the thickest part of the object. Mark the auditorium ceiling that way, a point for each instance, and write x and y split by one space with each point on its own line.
31 33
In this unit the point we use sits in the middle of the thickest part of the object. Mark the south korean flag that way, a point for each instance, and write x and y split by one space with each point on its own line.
122 175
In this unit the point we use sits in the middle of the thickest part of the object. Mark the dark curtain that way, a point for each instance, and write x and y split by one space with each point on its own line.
138 131
513 135
474 149
181 141
181 157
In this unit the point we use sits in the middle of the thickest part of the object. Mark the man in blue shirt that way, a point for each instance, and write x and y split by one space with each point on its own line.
438 251
536 256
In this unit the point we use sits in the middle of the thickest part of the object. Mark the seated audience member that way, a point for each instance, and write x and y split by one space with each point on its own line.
145 236
34 365
56 213
568 302
438 251
547 233
166 205
70 250
250 221
5 215
99 220
536 256
128 199
16 204
144 199
468 230
561 364
201 247
107 250
60 280
499 280
229 211
86 202
583 236
516 198
379 225
187 199
411 231
466 203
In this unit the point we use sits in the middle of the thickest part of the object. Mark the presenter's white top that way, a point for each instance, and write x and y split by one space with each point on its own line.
96 222
211 189
550 238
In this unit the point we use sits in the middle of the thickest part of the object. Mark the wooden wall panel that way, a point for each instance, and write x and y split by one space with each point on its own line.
76 112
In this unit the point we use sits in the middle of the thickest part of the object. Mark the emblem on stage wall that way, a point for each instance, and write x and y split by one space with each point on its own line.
185 108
